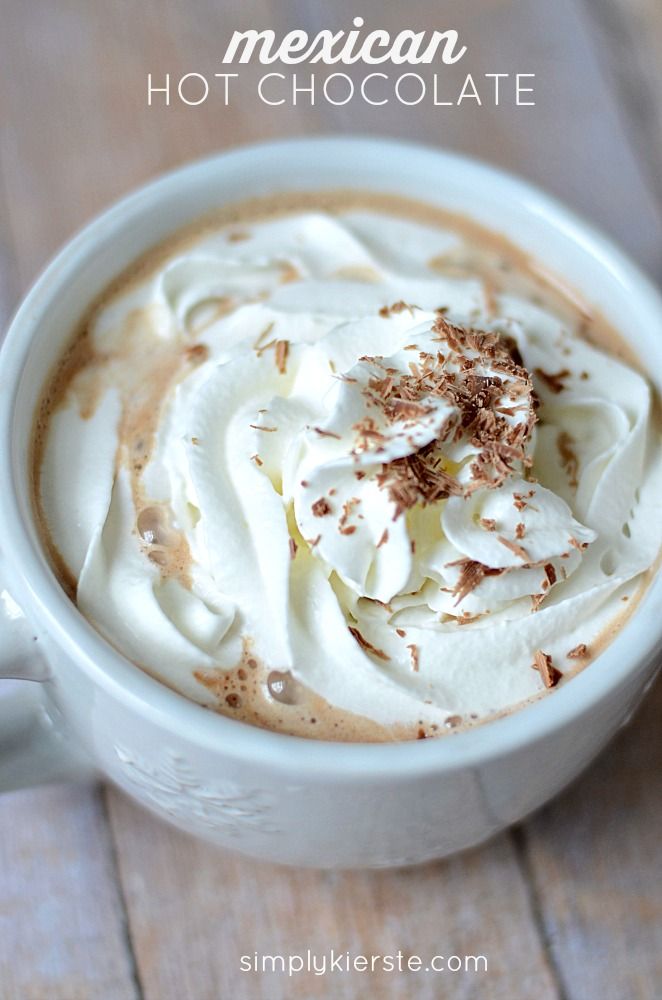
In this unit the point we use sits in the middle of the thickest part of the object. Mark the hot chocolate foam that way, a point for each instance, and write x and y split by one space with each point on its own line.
362 448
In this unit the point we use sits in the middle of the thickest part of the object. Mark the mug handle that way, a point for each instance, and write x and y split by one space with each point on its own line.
34 748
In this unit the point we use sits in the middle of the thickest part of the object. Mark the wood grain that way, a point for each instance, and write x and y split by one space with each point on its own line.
596 865
565 907
62 932
188 899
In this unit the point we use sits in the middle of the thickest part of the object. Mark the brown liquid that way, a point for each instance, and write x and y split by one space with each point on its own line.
145 368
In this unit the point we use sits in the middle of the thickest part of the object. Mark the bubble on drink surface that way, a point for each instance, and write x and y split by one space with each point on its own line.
153 527
283 687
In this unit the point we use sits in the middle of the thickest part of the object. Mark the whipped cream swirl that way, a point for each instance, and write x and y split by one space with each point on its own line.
378 474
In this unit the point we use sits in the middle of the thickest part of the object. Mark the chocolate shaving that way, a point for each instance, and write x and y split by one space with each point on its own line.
281 352
520 529
384 539
521 500
347 509
323 433
579 652
568 456
488 523
471 574
519 550
476 398
197 353
542 662
397 307
321 507
293 548
554 382
466 619
368 646
413 652
536 601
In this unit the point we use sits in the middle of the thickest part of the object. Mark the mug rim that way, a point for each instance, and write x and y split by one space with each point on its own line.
492 739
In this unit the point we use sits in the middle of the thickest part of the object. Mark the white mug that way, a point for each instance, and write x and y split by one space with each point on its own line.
270 795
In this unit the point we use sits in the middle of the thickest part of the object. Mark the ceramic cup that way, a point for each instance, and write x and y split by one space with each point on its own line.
270 795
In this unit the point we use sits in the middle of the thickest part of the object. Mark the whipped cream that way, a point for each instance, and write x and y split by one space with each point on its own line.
328 440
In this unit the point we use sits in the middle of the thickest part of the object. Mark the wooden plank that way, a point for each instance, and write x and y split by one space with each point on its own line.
62 933
62 927
596 863
195 910
594 857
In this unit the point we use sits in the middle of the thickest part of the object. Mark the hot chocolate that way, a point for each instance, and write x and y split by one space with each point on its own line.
349 467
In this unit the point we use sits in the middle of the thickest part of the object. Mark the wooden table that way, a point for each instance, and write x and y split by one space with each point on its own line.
98 899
